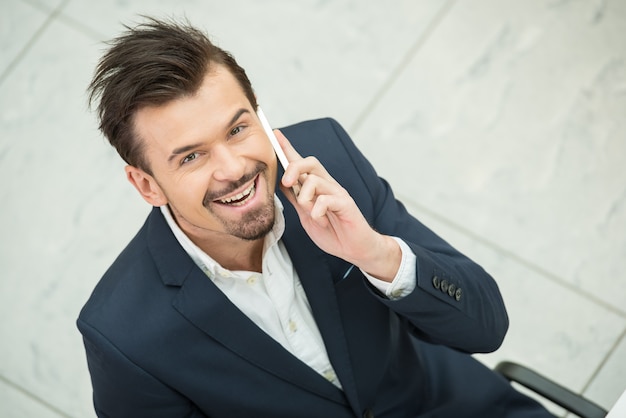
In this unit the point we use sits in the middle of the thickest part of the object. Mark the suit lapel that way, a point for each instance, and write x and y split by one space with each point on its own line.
205 306
318 280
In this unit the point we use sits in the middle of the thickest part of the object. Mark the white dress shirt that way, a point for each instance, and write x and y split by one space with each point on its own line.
275 300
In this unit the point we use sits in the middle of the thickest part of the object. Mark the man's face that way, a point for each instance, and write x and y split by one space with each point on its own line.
211 161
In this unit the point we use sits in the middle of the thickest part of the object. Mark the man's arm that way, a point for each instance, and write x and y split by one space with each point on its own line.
124 390
455 302
332 219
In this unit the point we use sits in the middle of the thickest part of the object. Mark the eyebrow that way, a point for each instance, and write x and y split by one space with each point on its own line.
186 148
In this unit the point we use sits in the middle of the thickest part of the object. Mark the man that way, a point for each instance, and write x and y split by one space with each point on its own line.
239 297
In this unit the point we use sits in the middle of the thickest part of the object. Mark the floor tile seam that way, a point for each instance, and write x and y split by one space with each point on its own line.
33 397
33 39
606 358
520 260
399 69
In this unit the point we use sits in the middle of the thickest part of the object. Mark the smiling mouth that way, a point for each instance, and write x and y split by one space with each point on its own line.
240 199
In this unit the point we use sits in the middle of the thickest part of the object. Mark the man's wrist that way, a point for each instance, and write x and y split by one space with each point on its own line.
405 280
384 261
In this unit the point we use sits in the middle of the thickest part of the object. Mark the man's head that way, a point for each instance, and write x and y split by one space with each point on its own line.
150 65
182 113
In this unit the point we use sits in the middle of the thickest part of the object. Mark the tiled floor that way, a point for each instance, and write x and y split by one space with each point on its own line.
499 123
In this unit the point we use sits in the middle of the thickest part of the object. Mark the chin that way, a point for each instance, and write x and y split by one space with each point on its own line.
253 225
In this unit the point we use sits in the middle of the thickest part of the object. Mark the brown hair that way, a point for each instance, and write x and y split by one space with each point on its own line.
152 64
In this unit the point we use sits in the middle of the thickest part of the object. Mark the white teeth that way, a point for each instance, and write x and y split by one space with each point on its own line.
249 192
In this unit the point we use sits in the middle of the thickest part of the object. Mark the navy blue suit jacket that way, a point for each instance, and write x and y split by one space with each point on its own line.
163 341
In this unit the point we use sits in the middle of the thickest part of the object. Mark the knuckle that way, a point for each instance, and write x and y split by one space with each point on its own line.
312 160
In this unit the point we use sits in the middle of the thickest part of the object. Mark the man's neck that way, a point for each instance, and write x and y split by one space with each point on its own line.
230 252
221 248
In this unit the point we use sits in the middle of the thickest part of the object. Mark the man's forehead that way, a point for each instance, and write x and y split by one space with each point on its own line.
187 121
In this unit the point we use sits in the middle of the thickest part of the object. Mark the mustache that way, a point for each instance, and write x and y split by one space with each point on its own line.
210 196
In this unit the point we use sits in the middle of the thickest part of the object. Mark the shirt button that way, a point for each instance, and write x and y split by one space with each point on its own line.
251 280
330 375
293 327
396 293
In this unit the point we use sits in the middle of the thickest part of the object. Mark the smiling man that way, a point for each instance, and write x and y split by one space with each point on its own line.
239 298
214 170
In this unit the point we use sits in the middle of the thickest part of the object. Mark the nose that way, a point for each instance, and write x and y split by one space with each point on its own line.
229 165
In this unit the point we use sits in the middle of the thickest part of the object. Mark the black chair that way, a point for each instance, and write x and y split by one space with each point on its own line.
550 390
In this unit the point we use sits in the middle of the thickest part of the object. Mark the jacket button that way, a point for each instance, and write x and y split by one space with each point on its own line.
436 282
451 290
457 294
444 286
368 414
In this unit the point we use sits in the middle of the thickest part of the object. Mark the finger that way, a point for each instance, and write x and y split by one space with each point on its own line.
322 205
337 203
313 186
292 175
290 195
290 152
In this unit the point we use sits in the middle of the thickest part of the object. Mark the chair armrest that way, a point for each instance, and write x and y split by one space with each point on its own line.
556 393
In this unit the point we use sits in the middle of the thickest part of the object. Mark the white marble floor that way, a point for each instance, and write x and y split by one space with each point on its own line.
499 123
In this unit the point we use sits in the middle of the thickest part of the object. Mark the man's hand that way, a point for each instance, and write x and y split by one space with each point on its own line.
332 219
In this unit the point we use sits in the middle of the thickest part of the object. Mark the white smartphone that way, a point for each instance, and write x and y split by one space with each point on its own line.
273 140
277 149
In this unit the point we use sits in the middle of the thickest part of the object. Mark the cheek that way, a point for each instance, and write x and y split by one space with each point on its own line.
188 190
260 149
269 156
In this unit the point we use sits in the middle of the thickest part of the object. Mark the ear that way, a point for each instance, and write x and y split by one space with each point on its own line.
146 185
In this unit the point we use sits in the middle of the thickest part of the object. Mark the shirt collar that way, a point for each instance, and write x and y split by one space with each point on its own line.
211 267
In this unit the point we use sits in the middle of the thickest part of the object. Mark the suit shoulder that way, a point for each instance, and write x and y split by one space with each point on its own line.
119 284
315 126
319 137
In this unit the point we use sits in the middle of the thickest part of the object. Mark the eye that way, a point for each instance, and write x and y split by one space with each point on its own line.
189 158
236 130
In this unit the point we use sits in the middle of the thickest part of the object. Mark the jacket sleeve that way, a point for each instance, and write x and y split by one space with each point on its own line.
455 302
121 389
